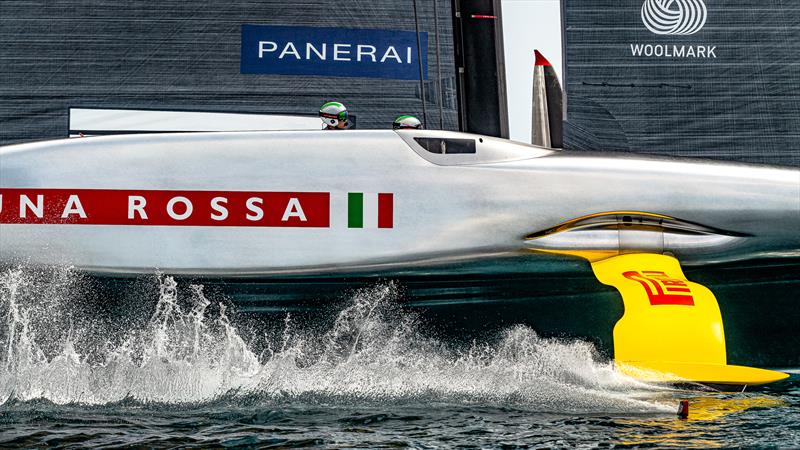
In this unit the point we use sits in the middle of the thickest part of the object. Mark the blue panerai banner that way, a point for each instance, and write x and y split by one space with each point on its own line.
333 52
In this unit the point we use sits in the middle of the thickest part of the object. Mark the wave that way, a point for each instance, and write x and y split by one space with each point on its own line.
187 350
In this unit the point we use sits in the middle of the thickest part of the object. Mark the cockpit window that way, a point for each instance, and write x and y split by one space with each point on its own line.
451 148
447 146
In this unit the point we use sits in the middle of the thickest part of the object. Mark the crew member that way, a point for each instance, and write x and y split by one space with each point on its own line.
334 116
406 121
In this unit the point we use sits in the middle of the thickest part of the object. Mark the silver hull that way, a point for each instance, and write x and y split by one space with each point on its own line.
446 208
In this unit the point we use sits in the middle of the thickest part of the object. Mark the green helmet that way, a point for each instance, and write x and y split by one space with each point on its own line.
405 122
333 113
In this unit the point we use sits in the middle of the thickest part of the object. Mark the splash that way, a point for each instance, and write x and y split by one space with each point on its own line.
190 351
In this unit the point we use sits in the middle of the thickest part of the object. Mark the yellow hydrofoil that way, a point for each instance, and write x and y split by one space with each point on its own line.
672 328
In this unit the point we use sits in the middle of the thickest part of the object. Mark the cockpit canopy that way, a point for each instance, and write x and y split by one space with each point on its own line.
448 148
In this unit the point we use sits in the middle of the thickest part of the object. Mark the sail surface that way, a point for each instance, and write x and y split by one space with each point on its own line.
701 78
238 56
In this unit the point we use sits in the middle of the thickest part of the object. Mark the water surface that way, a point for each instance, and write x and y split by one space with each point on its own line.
184 373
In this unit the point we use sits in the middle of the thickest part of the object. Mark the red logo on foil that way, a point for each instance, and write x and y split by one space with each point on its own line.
661 289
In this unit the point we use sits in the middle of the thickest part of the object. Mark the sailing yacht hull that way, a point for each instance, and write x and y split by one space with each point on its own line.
290 203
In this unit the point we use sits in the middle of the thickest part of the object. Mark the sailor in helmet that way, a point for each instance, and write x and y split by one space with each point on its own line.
334 116
406 121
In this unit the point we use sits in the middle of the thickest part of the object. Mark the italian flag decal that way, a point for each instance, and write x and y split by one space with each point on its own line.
366 210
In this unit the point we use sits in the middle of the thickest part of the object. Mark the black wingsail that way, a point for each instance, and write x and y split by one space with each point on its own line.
700 78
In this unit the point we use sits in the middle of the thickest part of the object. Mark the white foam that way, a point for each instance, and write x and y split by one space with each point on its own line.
372 353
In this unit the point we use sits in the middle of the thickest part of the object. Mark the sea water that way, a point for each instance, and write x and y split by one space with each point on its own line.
179 372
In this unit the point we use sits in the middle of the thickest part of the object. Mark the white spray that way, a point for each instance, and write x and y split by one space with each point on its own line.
372 353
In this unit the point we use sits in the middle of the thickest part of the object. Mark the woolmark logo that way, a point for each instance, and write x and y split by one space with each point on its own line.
674 17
